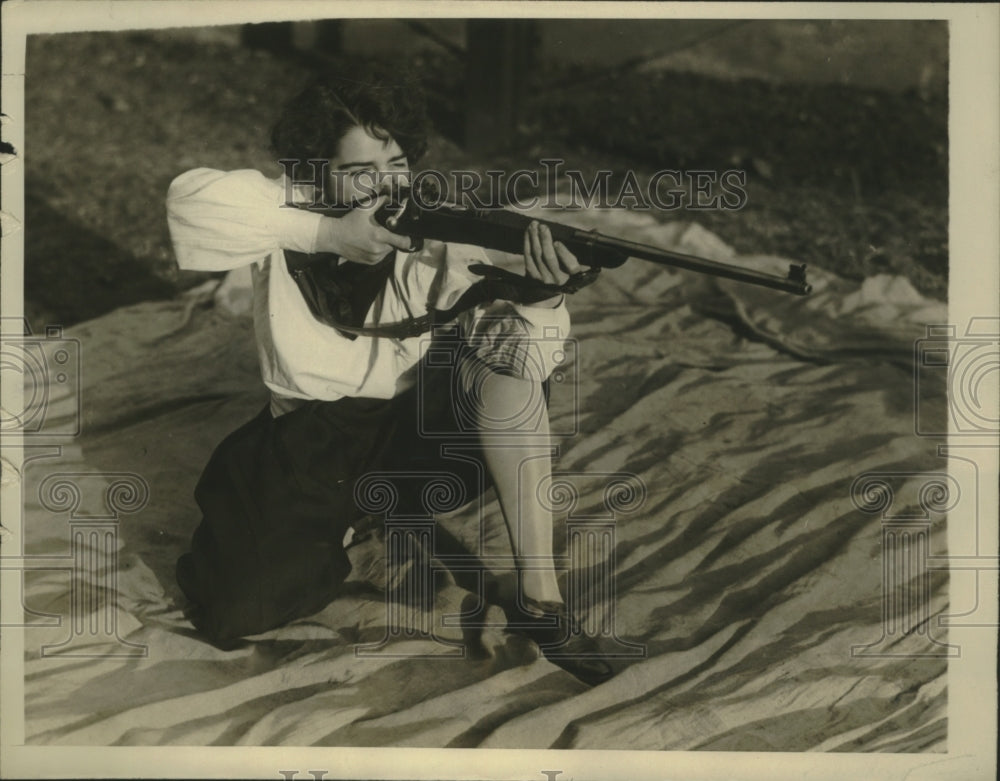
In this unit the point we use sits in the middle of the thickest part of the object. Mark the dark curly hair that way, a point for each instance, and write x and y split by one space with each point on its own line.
387 105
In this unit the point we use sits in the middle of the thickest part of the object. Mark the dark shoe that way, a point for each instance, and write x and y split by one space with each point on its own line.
561 639
362 530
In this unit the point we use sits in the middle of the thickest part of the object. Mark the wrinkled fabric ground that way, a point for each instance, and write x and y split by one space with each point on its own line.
744 572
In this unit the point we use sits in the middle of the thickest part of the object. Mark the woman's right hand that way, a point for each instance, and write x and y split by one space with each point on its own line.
357 237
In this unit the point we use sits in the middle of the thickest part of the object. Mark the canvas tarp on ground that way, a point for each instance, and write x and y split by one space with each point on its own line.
744 570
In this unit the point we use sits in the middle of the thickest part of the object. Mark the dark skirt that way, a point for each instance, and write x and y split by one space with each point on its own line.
278 496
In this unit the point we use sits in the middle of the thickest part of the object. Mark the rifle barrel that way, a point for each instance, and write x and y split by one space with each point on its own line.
795 282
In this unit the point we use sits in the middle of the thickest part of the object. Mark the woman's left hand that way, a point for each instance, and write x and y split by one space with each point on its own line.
547 261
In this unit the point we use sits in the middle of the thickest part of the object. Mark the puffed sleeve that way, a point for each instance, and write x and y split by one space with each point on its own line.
220 220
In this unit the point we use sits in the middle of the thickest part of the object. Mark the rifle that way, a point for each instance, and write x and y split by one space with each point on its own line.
320 279
425 218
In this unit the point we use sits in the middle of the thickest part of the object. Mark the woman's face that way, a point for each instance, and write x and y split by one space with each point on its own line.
365 166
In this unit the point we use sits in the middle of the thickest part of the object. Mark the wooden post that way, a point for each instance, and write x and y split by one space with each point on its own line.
500 55
329 37
272 36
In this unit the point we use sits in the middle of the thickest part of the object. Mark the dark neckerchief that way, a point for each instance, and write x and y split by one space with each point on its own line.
339 292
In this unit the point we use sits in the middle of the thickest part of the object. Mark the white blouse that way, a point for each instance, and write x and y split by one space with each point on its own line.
223 220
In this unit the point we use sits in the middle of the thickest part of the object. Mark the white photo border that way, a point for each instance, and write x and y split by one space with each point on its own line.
974 245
